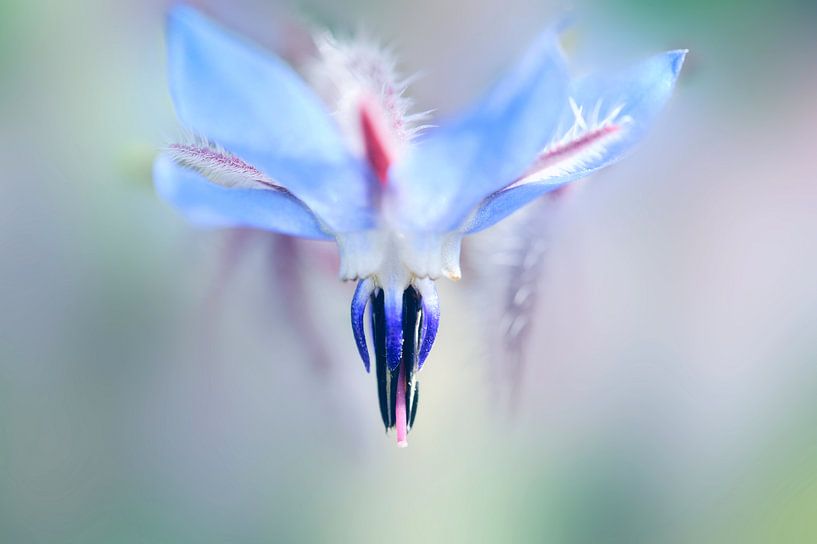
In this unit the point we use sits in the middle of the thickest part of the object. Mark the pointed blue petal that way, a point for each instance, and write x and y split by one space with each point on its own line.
431 317
208 204
361 298
638 94
230 91
641 92
447 174
255 106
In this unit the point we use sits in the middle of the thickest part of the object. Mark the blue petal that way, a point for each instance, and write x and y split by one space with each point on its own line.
360 300
431 317
642 91
208 204
501 204
457 165
255 106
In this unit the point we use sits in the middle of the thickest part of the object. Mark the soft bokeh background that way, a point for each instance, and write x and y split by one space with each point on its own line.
154 386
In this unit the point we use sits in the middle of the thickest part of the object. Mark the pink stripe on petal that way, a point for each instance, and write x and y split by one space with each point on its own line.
564 155
221 167
578 144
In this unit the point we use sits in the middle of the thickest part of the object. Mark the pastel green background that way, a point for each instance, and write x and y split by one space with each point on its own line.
672 389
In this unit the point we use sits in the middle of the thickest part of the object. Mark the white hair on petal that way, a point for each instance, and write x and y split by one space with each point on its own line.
349 74
585 140
219 165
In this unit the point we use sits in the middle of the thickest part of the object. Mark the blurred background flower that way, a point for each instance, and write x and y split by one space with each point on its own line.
149 392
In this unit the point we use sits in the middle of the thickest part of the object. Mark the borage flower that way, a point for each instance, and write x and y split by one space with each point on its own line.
343 160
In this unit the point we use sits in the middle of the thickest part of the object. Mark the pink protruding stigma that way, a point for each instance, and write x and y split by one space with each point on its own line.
400 409
378 151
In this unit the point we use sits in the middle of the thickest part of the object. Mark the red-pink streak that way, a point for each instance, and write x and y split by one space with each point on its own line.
377 150
556 153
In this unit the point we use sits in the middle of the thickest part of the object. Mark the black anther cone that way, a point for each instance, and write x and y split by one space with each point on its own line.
387 380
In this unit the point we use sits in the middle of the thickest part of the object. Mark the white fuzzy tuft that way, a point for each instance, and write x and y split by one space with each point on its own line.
355 74
219 165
